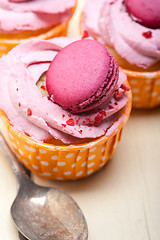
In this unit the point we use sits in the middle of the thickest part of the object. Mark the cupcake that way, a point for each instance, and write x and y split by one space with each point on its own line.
64 103
22 20
131 31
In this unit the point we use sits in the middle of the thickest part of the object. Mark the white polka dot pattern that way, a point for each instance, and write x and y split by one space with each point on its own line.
83 164
73 165
35 167
20 151
67 173
14 145
55 169
44 163
136 99
157 82
59 178
92 149
133 81
135 90
90 172
3 48
55 157
79 173
11 136
91 165
25 161
31 149
91 157
145 88
43 151
69 155
46 174
63 163
78 158
103 158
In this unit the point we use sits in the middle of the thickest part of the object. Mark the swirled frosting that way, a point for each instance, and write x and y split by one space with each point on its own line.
109 22
33 15
35 114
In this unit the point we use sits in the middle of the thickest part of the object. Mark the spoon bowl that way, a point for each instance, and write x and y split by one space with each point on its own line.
44 213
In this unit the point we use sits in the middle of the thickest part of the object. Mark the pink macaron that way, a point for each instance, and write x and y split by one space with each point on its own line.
146 12
82 75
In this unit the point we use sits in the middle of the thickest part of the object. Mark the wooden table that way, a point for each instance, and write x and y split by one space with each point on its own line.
122 201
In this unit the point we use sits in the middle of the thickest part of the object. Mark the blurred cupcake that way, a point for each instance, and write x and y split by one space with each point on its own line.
63 117
131 31
22 20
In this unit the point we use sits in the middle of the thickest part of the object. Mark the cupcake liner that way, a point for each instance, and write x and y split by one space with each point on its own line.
63 162
145 85
145 88
7 44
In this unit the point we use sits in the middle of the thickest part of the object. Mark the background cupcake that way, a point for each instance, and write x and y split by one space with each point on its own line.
24 20
71 129
133 41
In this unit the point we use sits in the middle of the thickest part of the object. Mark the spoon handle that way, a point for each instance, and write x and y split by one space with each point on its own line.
15 164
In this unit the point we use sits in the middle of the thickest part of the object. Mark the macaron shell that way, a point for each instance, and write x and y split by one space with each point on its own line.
71 79
147 12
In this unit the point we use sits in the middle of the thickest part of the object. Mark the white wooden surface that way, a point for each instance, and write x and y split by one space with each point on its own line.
120 202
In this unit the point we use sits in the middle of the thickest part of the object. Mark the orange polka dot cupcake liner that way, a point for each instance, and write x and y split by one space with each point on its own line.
6 44
145 88
63 162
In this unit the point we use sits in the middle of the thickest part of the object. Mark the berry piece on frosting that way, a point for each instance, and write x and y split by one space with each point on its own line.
146 12
82 76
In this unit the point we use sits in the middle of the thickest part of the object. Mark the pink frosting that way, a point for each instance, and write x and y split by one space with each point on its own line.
33 15
109 22
32 113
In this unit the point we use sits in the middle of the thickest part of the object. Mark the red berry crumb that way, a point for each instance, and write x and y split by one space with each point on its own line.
118 93
98 119
110 107
63 125
112 2
43 87
29 112
147 34
85 34
19 104
125 87
63 115
103 112
70 122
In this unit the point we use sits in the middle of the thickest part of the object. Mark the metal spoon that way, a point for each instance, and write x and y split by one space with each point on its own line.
43 213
